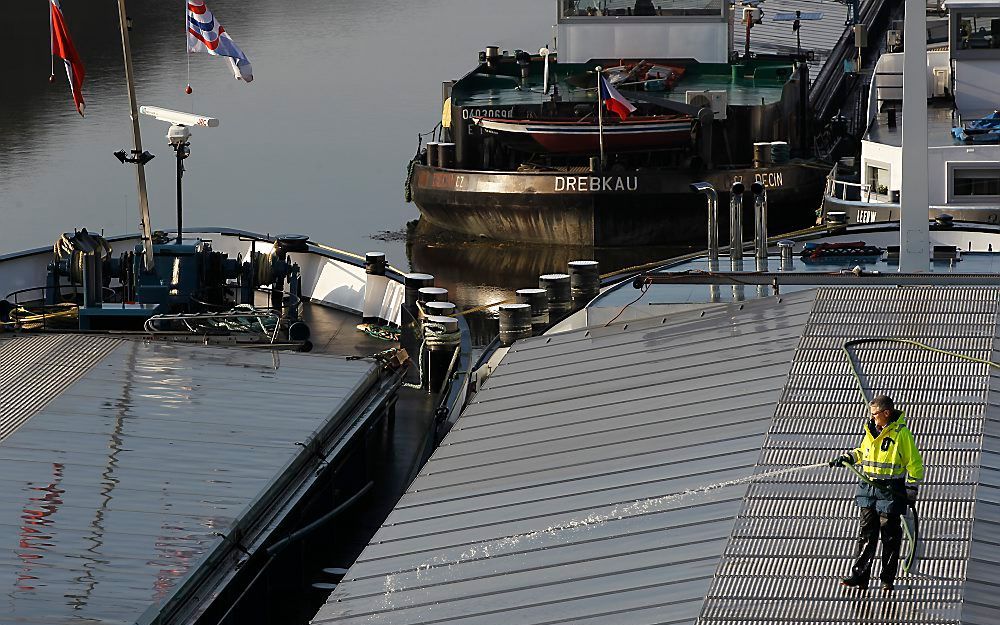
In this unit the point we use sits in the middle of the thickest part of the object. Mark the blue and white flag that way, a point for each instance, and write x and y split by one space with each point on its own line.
205 34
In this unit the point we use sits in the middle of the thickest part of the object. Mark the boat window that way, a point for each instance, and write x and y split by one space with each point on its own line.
639 8
878 180
976 182
978 31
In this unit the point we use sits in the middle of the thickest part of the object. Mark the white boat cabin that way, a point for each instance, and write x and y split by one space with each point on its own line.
963 90
596 29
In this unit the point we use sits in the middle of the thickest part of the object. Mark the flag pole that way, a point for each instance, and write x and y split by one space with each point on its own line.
52 45
147 235
600 114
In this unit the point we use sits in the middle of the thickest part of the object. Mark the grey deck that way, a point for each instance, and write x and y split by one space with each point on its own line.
113 488
561 494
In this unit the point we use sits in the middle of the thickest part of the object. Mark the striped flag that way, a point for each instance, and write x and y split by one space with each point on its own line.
62 46
615 101
205 34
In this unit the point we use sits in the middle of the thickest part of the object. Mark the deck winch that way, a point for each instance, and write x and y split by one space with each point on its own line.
189 278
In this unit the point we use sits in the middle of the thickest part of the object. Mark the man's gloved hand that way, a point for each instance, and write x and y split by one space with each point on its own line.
842 459
911 493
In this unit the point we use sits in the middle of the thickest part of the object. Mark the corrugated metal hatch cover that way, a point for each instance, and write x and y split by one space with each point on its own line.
35 369
134 456
559 497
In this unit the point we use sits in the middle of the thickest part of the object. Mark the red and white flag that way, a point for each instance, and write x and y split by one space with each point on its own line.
62 46
615 101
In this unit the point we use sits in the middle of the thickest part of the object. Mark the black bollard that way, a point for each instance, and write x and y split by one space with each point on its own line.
439 309
412 283
441 342
539 302
584 281
515 323
409 335
559 294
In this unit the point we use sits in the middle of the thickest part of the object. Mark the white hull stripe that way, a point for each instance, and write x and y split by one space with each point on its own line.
594 130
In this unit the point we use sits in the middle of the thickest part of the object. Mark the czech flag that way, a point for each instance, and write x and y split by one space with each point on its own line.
613 100
205 34
62 46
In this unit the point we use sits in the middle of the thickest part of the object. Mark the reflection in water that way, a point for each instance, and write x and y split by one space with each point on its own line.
36 519
479 272
318 143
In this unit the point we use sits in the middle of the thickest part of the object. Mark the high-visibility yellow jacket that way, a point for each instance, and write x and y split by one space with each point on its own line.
890 454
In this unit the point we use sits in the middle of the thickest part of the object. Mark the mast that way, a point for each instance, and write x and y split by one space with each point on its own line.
914 244
137 155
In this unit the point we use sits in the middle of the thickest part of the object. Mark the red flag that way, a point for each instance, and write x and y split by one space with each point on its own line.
62 46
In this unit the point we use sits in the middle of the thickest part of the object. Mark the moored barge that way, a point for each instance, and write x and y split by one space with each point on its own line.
527 154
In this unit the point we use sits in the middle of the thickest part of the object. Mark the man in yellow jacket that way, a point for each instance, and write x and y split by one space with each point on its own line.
889 457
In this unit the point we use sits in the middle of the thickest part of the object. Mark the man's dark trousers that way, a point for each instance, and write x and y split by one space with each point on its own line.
873 524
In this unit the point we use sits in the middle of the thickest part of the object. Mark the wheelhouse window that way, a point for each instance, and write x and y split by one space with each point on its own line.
978 31
976 183
638 8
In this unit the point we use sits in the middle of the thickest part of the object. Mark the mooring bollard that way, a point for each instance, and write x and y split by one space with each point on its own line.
409 331
412 283
584 281
429 294
439 309
442 342
559 294
539 302
375 287
515 323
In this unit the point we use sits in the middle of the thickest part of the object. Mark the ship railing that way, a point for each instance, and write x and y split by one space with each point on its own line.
267 320
844 190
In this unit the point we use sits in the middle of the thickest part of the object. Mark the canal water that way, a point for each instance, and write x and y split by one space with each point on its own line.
317 144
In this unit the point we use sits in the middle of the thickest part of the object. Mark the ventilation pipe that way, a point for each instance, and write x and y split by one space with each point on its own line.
760 222
713 222
736 224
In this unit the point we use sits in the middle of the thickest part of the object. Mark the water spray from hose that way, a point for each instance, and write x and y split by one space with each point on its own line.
499 546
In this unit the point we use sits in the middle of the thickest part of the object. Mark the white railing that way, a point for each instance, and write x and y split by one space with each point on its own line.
840 189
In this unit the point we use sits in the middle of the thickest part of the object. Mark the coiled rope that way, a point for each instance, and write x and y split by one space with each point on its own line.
436 335
408 184
28 319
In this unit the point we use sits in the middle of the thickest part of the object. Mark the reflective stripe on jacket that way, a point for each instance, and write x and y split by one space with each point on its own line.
892 454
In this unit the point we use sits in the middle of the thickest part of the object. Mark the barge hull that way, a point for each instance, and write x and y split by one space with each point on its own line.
610 209
860 212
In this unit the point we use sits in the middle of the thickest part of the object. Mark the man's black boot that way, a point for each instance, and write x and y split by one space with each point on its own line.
853 581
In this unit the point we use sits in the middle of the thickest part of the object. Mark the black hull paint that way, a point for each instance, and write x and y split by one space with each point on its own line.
622 208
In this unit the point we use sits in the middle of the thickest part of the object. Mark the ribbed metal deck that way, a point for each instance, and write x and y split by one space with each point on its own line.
795 536
560 495
35 370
